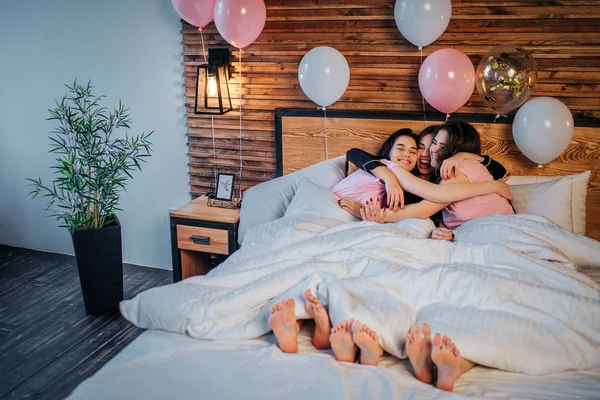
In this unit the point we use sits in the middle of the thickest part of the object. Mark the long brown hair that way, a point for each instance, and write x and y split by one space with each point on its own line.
430 130
462 137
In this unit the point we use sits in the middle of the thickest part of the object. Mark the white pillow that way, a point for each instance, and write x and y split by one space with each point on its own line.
314 201
554 202
551 200
268 201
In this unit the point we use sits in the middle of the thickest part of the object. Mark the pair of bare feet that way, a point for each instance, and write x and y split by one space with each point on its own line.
346 338
285 326
424 353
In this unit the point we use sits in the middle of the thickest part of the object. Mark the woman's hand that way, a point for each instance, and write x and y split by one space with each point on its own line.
504 188
353 207
395 194
373 212
450 166
442 234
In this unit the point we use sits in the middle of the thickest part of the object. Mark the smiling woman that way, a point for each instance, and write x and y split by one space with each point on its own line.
399 150
424 143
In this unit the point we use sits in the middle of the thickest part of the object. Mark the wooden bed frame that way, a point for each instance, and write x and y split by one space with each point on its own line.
300 142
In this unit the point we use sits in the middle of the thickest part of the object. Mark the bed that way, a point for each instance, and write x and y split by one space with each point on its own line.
536 310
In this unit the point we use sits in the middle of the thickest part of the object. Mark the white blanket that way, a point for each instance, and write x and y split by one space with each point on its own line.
507 290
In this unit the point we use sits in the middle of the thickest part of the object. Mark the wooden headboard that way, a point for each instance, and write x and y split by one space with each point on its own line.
300 142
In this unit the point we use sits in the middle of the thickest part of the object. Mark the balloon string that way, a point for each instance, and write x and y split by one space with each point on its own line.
325 131
212 119
422 97
498 116
447 117
240 89
202 38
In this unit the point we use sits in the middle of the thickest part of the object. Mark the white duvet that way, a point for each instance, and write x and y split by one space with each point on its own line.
507 290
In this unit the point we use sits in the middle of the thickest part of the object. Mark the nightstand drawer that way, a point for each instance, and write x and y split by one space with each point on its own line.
202 239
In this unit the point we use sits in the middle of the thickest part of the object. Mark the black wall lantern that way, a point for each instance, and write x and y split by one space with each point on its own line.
212 84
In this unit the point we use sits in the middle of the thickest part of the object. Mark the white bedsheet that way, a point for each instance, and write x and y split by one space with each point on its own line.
162 365
507 291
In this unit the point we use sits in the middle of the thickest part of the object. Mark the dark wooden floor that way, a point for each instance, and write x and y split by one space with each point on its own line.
48 344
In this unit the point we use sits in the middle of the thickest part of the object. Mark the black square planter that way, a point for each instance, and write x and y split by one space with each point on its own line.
100 264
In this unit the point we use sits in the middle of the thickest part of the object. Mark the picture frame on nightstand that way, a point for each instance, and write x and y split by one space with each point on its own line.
225 186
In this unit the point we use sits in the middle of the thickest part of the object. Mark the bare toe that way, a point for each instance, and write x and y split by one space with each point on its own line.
437 340
426 330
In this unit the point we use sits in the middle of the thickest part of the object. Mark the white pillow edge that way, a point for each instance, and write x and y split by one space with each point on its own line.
568 195
579 181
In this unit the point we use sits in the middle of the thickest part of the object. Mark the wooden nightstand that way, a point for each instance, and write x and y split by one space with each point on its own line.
199 231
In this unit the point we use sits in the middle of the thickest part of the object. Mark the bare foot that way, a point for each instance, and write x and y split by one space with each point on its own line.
342 343
447 358
283 323
322 324
418 347
366 340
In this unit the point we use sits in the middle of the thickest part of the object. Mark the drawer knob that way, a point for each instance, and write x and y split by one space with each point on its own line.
201 239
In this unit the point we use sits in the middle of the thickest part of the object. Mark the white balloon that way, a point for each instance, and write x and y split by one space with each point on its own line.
542 129
421 22
324 75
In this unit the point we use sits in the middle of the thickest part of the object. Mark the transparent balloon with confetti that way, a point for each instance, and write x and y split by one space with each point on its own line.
505 78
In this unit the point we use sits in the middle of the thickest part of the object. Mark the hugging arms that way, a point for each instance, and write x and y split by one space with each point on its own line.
405 169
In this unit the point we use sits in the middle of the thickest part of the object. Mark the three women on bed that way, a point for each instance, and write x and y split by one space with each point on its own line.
469 191
400 164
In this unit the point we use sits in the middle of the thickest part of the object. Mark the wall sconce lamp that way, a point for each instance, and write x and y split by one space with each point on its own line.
212 84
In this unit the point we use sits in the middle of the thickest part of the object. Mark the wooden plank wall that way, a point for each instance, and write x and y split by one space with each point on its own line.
563 36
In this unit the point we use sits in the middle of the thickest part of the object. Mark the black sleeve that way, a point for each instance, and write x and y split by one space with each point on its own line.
363 160
494 167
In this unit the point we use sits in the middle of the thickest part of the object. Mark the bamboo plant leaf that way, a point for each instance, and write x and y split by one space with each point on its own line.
91 167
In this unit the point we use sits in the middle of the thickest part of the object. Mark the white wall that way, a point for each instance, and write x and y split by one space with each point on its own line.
131 50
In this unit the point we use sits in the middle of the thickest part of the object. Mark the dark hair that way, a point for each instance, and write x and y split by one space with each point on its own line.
388 145
462 137
430 130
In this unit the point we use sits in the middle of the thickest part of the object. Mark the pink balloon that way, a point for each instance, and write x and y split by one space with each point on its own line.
447 79
240 22
196 12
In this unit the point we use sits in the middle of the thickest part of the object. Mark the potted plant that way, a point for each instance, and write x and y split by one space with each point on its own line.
91 169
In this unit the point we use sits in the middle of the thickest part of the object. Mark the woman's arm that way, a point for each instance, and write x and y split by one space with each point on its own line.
367 162
421 210
450 166
460 190
373 212
494 167
363 160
